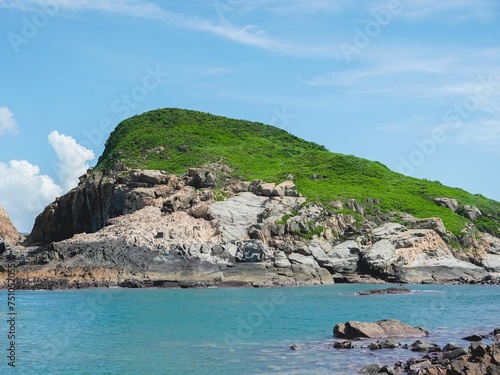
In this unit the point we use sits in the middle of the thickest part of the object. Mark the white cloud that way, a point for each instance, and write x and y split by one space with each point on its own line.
72 158
24 192
7 122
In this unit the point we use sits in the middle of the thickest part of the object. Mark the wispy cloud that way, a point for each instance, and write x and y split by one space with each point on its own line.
286 7
484 133
415 71
249 35
448 10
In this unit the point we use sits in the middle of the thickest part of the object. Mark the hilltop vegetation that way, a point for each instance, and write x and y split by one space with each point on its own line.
175 140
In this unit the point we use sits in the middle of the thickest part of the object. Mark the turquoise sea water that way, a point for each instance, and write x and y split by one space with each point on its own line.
225 331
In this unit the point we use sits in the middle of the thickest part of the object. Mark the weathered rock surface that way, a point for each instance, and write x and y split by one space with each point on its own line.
415 255
450 203
377 330
470 212
7 230
145 227
99 197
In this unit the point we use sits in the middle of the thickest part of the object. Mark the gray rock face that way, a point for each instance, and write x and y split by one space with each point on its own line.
344 257
471 212
149 177
237 214
7 230
491 262
286 189
434 223
450 203
306 268
201 178
415 255
98 198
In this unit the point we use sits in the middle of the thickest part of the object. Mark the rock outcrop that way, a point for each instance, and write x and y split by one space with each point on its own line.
145 227
450 203
99 197
7 230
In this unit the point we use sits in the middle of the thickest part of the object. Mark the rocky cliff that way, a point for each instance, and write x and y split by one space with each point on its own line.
148 228
7 231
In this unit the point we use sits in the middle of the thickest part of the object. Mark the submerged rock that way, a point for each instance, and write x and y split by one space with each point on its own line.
392 290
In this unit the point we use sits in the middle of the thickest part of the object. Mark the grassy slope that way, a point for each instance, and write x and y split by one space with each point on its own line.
255 150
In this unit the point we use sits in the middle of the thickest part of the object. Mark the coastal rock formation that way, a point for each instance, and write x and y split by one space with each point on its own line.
415 255
148 228
99 197
377 330
7 230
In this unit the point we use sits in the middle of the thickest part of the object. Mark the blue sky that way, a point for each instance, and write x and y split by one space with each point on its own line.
412 84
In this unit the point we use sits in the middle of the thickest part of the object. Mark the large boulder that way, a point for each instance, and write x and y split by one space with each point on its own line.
434 223
377 330
201 178
286 189
149 177
450 203
470 212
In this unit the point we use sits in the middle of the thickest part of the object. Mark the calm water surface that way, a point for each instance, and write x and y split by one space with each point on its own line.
225 331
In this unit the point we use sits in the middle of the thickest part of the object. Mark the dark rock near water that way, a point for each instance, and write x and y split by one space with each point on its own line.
472 338
386 344
342 344
135 284
425 346
391 290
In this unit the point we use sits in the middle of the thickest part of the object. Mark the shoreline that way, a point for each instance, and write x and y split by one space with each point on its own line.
175 284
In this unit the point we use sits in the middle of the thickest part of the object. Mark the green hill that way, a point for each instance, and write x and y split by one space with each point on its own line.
176 139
